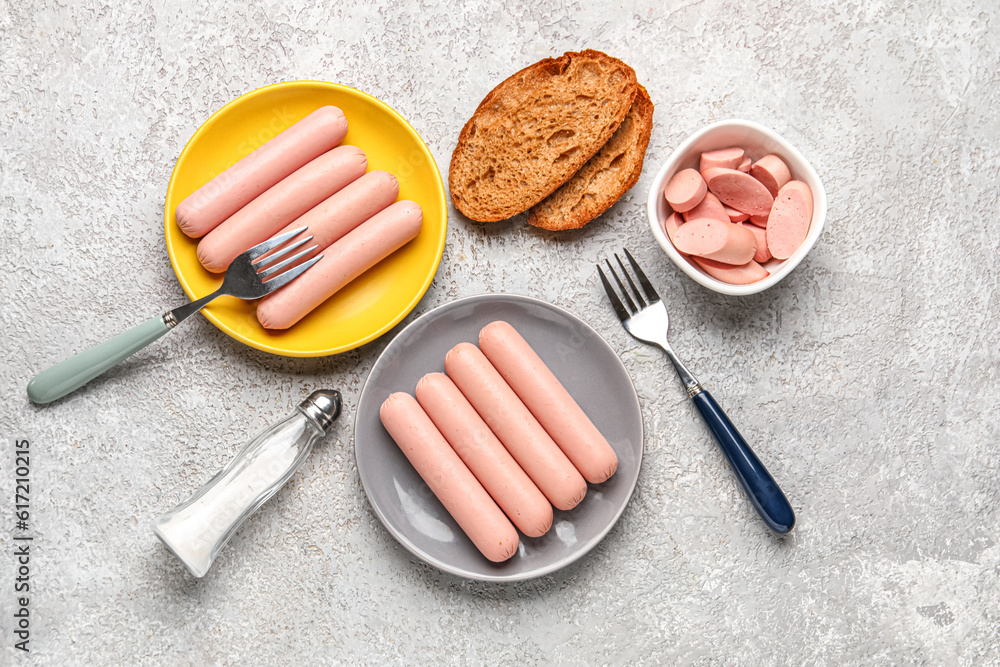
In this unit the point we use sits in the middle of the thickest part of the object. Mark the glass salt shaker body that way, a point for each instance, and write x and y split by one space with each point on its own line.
198 528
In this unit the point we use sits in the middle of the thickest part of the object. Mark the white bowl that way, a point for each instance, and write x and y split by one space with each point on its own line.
757 141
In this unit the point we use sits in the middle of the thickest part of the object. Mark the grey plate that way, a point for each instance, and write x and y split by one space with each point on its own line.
588 368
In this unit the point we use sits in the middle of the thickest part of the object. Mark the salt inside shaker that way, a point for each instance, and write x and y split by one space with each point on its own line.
198 528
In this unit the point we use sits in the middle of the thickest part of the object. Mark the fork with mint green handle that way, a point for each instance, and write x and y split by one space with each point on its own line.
648 322
244 279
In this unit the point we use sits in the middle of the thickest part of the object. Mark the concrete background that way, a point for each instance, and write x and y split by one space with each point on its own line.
867 380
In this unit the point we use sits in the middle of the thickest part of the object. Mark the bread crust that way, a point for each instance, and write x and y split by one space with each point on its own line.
535 130
606 176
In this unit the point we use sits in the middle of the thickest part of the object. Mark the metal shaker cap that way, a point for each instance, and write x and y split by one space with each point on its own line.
323 407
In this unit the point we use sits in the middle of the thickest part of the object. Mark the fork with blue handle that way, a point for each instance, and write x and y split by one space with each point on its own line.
645 318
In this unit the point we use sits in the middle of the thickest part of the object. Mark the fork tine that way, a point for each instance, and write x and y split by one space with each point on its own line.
643 280
635 290
628 299
274 268
270 244
615 301
290 275
266 262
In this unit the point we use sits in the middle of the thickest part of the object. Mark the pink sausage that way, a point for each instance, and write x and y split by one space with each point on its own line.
734 215
727 158
760 220
264 216
762 254
710 207
671 225
205 208
745 166
788 224
480 450
550 403
727 242
362 248
750 272
738 190
448 478
685 190
772 172
332 218
513 424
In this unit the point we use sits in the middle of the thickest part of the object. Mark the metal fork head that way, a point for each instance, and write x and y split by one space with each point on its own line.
245 277
641 311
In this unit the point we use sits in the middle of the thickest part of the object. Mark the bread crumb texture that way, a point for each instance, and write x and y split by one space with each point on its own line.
535 130
604 178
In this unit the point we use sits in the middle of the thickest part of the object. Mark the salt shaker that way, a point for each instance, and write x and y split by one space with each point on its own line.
198 528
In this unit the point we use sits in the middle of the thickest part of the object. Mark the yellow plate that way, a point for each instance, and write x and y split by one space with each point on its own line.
375 301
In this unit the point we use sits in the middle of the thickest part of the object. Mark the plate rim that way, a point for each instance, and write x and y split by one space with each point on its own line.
552 567
329 351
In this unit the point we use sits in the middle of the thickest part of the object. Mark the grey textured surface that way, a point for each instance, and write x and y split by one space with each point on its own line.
867 380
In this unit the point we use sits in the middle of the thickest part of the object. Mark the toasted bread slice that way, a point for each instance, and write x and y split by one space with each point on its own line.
606 176
535 130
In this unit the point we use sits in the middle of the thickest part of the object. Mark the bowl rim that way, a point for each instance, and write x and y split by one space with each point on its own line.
803 170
